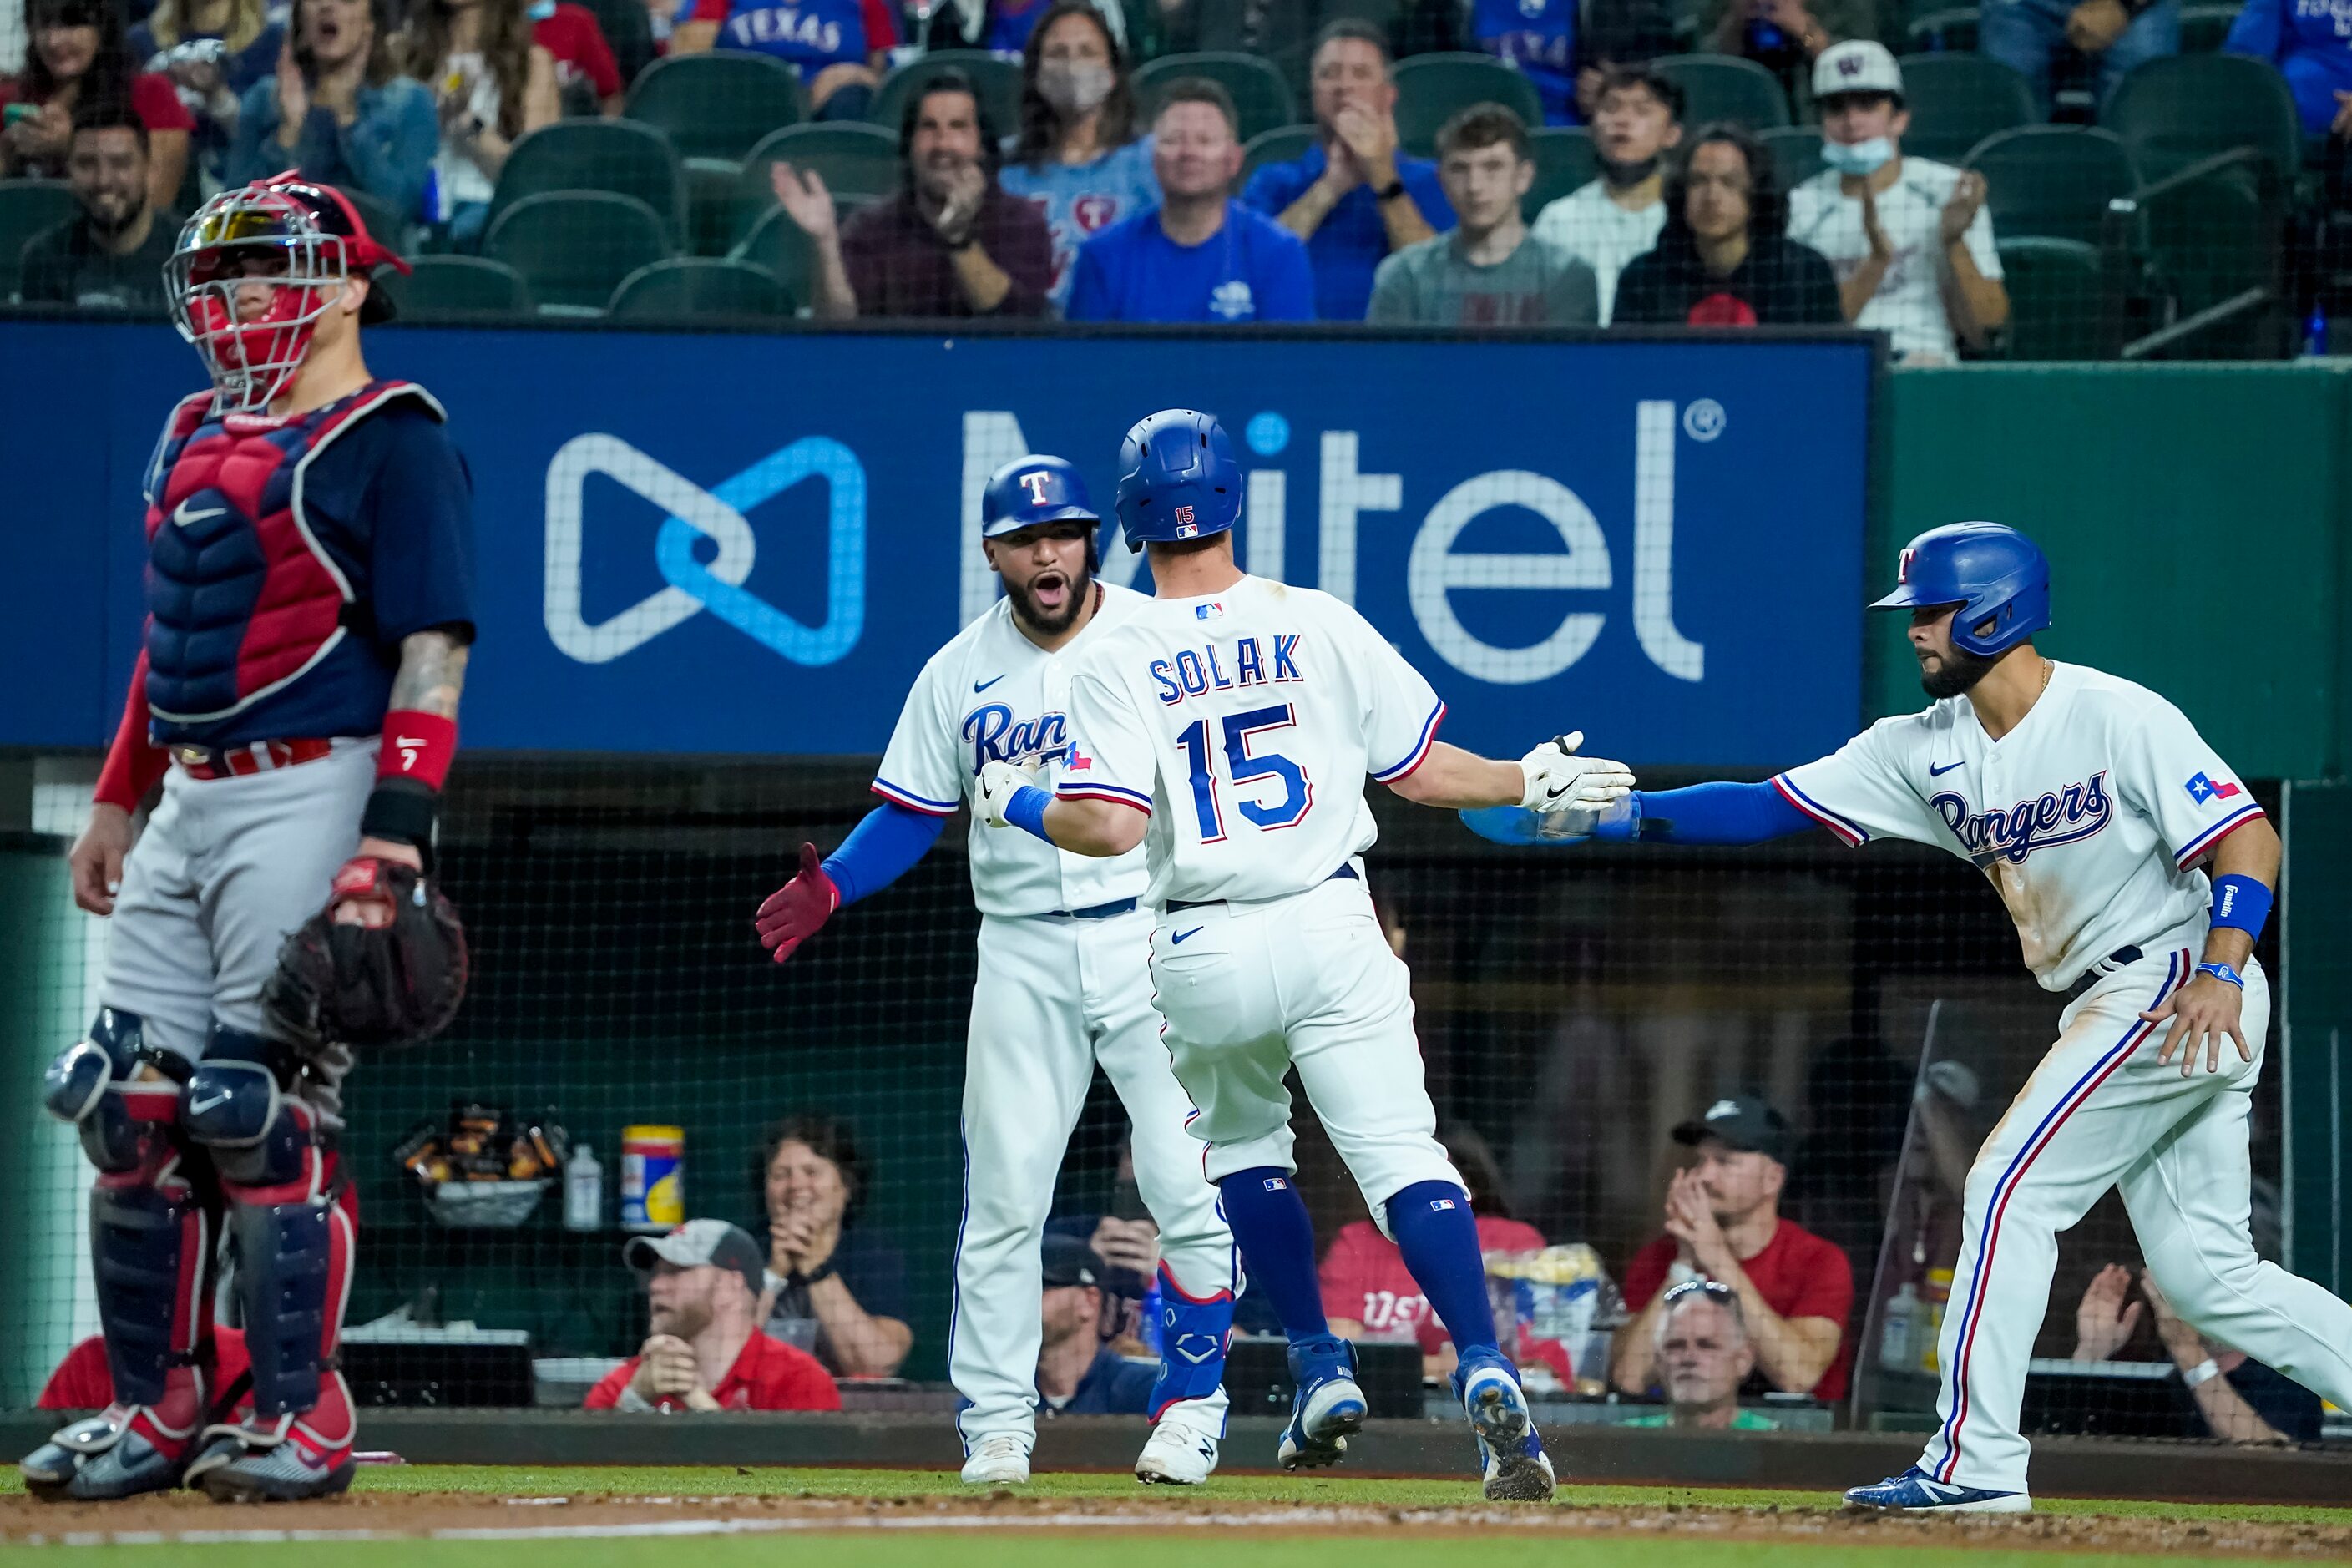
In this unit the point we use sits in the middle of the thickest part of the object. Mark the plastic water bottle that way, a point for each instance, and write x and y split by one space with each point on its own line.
2314 331
583 1190
1894 1331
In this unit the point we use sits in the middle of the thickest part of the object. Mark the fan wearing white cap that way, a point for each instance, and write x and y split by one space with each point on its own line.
1910 240
704 1350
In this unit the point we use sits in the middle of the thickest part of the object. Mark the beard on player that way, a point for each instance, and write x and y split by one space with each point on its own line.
1954 672
1050 601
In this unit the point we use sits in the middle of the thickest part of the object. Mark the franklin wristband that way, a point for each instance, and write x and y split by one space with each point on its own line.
1027 810
2241 903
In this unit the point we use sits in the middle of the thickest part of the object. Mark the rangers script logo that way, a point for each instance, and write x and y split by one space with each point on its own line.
2067 815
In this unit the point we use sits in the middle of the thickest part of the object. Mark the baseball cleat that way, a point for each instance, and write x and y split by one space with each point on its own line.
1000 1460
1916 1492
1328 1408
1176 1455
1511 1457
97 1460
277 1461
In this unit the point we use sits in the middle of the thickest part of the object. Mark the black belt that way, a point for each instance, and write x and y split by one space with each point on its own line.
2113 961
1093 912
1344 874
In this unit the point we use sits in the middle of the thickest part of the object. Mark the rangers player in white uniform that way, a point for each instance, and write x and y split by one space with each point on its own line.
1064 983
2090 803
1235 719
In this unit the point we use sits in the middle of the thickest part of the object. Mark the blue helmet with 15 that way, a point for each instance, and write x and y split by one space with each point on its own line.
1176 480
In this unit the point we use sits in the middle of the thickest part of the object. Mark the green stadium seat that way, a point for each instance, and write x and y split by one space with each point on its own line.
573 248
615 156
388 226
456 288
719 104
1796 153
1261 96
1958 100
2058 305
629 32
1286 145
857 163
2203 27
1564 159
1432 89
998 79
26 208
2212 234
1951 29
2052 182
699 286
2175 110
1719 86
777 246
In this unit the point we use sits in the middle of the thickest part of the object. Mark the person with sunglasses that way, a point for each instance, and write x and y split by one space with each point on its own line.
1703 1357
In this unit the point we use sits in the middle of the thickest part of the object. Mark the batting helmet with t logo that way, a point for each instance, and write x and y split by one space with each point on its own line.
1998 578
1032 489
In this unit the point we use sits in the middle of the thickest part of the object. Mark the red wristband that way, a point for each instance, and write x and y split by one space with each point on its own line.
418 745
133 764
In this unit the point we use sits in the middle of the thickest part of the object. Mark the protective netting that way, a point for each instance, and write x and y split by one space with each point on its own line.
1574 1009
2153 189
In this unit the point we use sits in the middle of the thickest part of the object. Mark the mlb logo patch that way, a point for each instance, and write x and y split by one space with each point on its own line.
2202 789
1440 1205
1275 1184
1210 611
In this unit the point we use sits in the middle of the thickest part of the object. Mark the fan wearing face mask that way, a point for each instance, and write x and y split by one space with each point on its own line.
1077 155
1910 240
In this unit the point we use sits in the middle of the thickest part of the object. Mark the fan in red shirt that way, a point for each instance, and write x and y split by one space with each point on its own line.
583 60
705 1350
82 1382
1723 1223
1370 1294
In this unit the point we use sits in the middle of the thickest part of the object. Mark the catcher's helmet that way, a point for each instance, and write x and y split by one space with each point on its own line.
1176 480
306 239
1993 573
1032 489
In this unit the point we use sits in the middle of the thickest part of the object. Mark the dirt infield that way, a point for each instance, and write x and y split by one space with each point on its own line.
187 1517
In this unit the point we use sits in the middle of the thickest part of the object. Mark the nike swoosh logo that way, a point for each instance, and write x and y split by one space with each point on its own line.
980 686
184 517
1557 791
198 1107
1180 935
410 748
1935 773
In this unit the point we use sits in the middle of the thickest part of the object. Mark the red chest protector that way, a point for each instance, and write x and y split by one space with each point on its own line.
242 596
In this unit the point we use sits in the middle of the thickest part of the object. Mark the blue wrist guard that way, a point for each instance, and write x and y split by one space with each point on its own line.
2224 973
2241 903
1027 810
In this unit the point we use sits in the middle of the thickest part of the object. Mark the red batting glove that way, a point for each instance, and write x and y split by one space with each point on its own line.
798 911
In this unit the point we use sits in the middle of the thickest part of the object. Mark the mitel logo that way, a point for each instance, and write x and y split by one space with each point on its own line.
695 514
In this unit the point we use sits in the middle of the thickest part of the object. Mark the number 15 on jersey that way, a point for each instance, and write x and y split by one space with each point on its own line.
1250 774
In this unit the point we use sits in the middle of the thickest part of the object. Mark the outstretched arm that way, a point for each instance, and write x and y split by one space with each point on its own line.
1718 813
879 850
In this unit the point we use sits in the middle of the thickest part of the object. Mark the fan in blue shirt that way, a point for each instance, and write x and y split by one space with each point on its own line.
1354 197
1540 37
1197 257
2310 41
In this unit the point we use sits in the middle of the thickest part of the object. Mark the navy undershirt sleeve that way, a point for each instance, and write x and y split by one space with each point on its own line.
881 849
421 543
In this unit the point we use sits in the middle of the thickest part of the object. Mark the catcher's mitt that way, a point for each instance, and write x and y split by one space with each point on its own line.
340 981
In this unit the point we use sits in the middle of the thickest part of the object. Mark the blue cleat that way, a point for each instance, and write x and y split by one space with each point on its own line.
1328 1407
1510 1455
1916 1492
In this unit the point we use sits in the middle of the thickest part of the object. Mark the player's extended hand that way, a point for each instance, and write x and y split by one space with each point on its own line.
999 783
1559 780
95 862
2103 1321
797 911
2202 1012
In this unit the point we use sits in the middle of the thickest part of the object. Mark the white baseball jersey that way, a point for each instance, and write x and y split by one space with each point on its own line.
2089 817
1909 304
989 695
1595 230
1245 722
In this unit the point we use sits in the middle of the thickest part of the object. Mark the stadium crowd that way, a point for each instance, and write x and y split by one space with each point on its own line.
1432 163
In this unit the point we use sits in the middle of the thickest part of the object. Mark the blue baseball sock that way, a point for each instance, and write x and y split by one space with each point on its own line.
1439 1237
1277 1243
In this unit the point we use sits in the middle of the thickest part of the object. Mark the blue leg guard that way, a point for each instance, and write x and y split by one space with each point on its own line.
1193 1334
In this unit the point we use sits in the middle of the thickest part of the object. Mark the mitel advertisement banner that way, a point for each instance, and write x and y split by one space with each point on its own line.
749 543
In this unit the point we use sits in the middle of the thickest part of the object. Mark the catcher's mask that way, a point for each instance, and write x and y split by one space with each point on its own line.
254 271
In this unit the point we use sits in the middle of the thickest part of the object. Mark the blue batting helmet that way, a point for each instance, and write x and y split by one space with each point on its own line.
1032 489
1993 573
1176 480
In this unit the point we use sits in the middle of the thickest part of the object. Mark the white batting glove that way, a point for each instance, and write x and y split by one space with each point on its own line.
999 783
1559 780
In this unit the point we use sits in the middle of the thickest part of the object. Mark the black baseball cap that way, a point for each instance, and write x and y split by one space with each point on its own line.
1743 1122
698 1242
1069 1261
